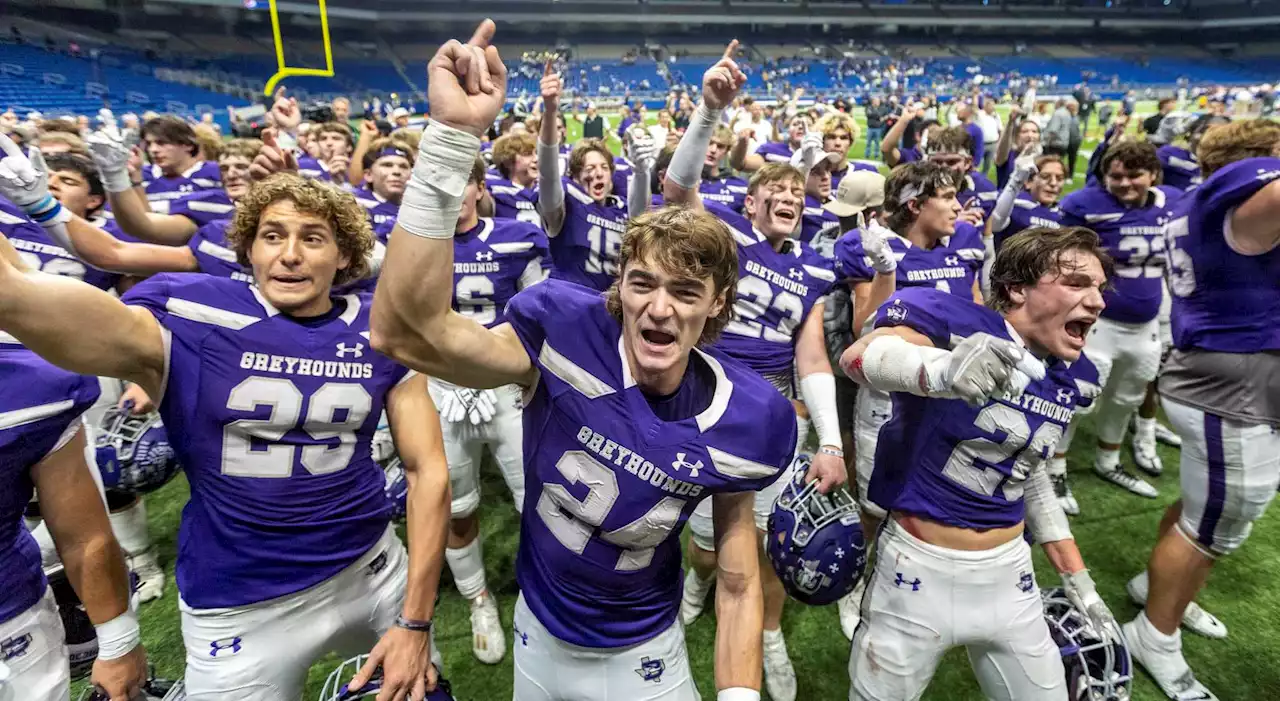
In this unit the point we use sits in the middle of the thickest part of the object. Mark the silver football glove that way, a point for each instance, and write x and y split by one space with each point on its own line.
1024 166
1082 592
111 154
809 153
455 404
875 243
24 179
642 151
982 367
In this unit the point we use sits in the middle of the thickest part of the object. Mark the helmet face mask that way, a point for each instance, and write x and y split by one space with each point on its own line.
335 686
133 451
815 540
1098 669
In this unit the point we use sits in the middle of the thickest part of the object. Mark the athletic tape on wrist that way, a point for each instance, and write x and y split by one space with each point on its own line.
738 693
118 636
433 197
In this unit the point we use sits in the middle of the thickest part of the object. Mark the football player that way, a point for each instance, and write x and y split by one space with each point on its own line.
272 394
1009 148
981 395
818 227
583 218
1128 211
770 151
336 143
513 186
43 448
1029 198
494 259
716 185
386 170
176 170
1220 385
951 148
777 332
839 131
628 425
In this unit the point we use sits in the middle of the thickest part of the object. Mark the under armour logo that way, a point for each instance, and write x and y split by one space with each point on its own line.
651 670
15 647
484 255
1026 582
952 260
796 274
232 644
680 462
357 350
1065 396
903 581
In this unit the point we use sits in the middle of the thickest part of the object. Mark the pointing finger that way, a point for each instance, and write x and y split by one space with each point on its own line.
550 68
731 50
37 160
483 34
9 147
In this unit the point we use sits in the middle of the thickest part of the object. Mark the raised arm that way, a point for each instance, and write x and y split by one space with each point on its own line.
739 159
1255 225
1006 136
642 152
132 213
413 320
720 84
550 188
1023 168
868 296
368 134
889 145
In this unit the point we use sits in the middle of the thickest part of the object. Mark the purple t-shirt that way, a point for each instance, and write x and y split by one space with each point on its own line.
1222 300
775 152
609 482
214 256
978 191
955 464
38 404
274 418
200 207
838 175
817 221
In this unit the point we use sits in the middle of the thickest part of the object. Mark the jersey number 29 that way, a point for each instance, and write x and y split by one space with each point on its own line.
335 410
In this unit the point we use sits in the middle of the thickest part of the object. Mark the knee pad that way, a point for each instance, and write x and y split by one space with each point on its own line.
464 504
701 527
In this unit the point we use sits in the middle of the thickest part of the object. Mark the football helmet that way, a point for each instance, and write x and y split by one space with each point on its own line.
397 489
154 690
815 540
1098 669
335 687
133 451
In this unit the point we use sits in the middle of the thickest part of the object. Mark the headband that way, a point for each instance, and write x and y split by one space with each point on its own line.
395 151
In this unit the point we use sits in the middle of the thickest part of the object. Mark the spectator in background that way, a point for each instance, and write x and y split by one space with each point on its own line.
341 107
751 124
1057 133
594 125
877 112
1151 124
626 120
1130 102
1106 111
660 130
1075 136
990 126
1085 98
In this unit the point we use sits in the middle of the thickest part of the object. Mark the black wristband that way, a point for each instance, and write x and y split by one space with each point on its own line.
415 626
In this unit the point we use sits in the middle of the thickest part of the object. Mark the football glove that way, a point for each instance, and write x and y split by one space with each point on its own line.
875 243
982 367
1082 592
111 154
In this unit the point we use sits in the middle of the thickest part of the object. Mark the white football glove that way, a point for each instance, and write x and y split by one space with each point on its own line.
875 243
1024 166
483 407
24 179
981 367
108 117
810 151
456 403
1083 594
111 155
642 151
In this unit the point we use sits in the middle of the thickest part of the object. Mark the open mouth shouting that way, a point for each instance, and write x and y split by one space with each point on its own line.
1078 330
657 340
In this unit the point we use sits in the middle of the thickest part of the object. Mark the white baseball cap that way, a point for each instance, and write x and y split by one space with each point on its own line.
399 112
857 191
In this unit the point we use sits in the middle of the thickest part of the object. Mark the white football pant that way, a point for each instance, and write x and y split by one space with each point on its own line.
35 651
923 600
464 445
872 412
549 669
262 651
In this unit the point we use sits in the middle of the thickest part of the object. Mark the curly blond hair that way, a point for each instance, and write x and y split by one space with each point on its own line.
351 229
837 120
1225 144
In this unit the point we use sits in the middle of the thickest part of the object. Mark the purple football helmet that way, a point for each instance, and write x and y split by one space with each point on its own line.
133 451
815 540
397 489
1098 669
335 687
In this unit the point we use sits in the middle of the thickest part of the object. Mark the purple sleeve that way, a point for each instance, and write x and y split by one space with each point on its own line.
1074 207
203 207
1233 185
731 218
151 294
851 262
923 309
527 313
1087 381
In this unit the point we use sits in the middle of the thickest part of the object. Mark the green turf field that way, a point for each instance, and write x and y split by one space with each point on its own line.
1116 531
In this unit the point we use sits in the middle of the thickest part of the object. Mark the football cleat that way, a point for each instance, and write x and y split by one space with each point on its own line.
1098 668
1194 619
397 489
1145 455
815 540
1169 670
335 687
155 690
779 674
1166 435
488 642
133 451
150 584
1118 476
694 599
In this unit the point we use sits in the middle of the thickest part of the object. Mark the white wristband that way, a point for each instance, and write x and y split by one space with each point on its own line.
433 197
118 636
738 693
819 392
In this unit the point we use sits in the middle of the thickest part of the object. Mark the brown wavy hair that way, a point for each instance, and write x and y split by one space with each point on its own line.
351 229
683 242
1032 253
508 147
1225 144
578 156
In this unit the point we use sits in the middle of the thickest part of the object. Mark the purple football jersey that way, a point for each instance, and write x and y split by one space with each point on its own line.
1181 169
851 166
204 175
1005 170
775 152
949 462
776 292
622 170
382 212
1028 213
979 144
1223 301
510 201
38 404
586 249
978 191
1134 236
274 418
214 256
41 253
908 155
726 190
951 266
609 483
200 207
312 168
817 221
489 262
